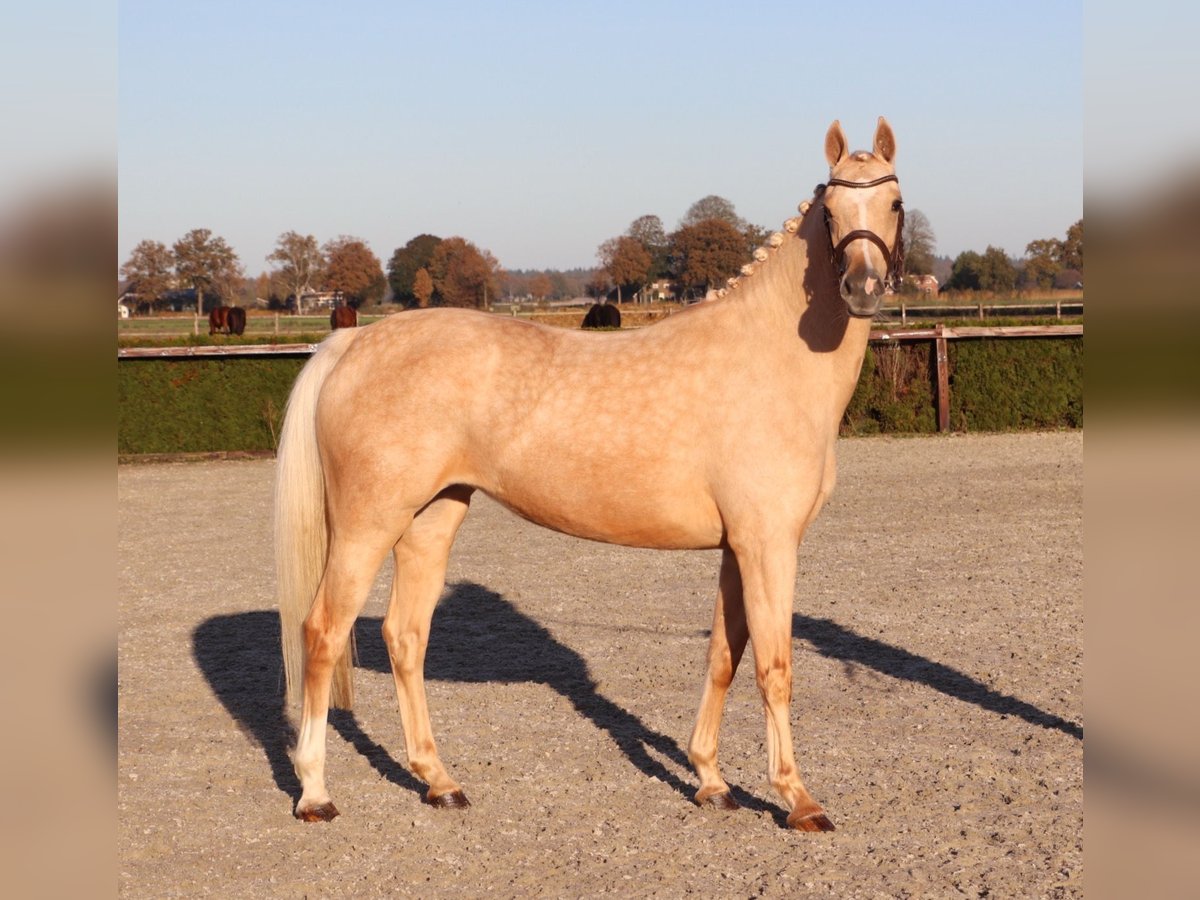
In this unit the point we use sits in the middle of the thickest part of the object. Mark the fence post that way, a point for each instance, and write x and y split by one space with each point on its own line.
981 311
277 323
943 380
903 313
195 324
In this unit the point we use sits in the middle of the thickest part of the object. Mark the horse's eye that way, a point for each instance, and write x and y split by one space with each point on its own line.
897 205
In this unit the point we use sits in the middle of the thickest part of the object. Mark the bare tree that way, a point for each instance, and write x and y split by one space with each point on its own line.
920 243
299 262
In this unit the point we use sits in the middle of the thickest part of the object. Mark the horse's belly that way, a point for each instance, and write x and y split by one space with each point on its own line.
654 519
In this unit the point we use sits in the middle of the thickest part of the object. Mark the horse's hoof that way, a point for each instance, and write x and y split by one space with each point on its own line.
721 800
817 821
326 812
450 800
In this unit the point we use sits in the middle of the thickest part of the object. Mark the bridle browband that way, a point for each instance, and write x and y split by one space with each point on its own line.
893 255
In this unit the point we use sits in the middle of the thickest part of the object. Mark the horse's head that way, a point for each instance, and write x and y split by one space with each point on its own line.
865 217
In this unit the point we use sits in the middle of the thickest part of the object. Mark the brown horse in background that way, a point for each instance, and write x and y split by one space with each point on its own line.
236 320
391 428
218 320
343 317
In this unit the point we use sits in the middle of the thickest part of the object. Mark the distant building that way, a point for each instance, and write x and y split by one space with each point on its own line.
657 292
926 284
319 300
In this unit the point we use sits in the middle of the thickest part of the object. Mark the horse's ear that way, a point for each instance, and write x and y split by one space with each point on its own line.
836 147
885 141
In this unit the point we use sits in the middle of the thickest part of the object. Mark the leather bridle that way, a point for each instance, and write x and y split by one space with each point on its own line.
894 255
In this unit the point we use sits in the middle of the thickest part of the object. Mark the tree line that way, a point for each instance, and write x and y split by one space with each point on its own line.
427 270
1048 263
710 245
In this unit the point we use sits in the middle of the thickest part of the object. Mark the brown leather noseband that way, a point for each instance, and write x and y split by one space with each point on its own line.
894 255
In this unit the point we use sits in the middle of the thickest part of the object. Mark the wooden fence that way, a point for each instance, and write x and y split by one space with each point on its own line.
939 334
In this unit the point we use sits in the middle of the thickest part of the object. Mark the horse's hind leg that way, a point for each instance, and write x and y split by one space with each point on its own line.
725 649
421 556
349 571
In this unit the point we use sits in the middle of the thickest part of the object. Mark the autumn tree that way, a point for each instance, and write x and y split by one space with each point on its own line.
405 261
422 287
299 263
149 271
352 269
920 243
540 286
463 275
208 265
706 254
626 262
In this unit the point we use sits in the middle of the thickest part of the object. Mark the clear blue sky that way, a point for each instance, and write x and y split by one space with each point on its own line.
537 130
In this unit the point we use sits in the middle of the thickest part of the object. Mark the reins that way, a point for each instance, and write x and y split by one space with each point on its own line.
894 255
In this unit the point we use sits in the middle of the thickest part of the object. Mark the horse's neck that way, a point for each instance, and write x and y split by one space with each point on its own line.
790 309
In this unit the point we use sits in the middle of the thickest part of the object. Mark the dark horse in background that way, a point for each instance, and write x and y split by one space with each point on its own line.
236 320
602 315
343 317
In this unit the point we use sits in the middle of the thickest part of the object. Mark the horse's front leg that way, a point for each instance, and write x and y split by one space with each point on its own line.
768 570
725 650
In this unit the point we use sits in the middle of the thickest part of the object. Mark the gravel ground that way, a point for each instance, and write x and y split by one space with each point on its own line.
938 701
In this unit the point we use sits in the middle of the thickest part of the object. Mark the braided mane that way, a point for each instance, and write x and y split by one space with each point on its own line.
763 253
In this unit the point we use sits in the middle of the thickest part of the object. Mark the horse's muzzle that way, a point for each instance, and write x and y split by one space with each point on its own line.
863 295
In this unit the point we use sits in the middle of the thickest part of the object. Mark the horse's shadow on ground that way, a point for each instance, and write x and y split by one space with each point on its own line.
479 637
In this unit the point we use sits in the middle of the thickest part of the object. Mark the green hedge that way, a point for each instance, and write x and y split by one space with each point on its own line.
995 385
197 405
1016 384
194 405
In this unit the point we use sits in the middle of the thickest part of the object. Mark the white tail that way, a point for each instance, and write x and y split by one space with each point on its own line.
301 538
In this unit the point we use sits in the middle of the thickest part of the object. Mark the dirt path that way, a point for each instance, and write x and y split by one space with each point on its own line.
938 700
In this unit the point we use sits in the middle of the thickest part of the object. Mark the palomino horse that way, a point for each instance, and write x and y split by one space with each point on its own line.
391 428
343 317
